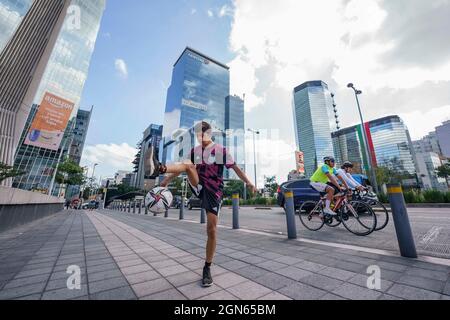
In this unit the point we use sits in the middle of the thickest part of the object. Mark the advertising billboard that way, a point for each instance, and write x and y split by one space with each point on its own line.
50 122
300 161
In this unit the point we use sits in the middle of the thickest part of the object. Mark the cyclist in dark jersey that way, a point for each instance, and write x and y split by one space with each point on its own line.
205 170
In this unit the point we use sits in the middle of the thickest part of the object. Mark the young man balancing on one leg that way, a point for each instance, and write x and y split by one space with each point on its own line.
205 174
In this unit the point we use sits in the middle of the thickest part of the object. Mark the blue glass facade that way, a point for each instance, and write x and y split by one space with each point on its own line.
64 76
197 93
392 146
314 118
235 128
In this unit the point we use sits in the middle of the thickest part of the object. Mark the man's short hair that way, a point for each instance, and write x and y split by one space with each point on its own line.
202 127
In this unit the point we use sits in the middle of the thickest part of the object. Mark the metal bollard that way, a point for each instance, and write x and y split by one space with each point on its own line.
166 214
203 216
134 206
236 199
401 220
140 207
182 209
146 209
129 207
290 215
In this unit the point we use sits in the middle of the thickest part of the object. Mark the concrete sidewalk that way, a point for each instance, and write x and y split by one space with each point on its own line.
126 256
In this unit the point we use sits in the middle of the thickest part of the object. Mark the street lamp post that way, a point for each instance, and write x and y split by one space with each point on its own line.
255 132
365 138
92 179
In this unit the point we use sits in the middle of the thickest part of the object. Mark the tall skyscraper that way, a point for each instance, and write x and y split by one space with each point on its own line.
198 90
60 89
235 129
79 135
152 137
443 136
29 31
313 120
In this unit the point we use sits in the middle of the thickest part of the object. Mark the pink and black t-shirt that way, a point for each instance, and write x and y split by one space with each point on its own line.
211 163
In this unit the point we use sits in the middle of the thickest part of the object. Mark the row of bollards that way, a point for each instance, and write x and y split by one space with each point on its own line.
399 211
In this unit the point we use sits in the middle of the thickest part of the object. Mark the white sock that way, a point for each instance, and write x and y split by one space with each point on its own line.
328 204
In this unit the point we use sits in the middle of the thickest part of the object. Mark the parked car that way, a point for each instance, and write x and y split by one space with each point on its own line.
176 203
193 202
302 192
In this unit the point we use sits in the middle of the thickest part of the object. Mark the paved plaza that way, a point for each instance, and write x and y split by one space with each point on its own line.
126 257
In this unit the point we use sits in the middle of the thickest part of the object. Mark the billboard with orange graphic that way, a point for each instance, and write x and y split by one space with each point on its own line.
50 122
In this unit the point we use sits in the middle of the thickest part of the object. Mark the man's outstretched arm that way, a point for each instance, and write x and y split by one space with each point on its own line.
244 178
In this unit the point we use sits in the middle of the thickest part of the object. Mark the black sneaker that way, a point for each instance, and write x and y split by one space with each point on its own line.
207 278
152 164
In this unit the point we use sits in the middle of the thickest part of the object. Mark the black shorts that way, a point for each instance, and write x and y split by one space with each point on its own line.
209 200
336 189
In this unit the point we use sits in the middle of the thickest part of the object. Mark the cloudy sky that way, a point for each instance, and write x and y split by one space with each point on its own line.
396 52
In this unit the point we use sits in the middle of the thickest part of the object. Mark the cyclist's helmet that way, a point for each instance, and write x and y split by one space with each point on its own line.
347 164
328 159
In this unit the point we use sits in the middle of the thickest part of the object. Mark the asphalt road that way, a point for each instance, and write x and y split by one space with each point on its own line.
431 229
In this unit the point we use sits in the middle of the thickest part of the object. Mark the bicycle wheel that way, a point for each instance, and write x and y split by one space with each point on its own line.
381 212
309 215
334 222
359 218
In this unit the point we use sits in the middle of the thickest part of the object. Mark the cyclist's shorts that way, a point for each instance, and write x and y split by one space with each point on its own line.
322 187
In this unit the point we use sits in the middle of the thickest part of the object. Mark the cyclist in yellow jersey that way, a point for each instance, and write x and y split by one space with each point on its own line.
325 179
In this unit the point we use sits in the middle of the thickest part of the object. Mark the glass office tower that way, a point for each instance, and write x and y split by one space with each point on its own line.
314 118
197 93
235 129
64 76
390 145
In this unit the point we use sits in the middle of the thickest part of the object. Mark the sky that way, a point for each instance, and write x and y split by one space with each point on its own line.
396 52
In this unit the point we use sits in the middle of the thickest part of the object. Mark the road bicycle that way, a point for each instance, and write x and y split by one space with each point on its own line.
357 216
380 210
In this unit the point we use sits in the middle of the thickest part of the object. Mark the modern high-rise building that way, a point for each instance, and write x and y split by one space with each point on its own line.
197 93
28 33
313 120
58 95
429 143
348 146
427 165
443 136
152 137
79 135
389 143
235 132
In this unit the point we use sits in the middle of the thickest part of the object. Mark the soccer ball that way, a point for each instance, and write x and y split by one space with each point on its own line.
159 200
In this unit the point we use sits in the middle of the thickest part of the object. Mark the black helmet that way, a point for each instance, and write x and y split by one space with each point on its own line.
326 159
347 164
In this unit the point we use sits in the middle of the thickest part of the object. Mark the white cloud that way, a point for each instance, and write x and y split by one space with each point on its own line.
210 13
121 67
193 11
304 38
433 118
225 11
110 157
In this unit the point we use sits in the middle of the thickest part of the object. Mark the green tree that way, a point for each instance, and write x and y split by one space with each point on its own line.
444 171
233 187
8 172
271 185
70 173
